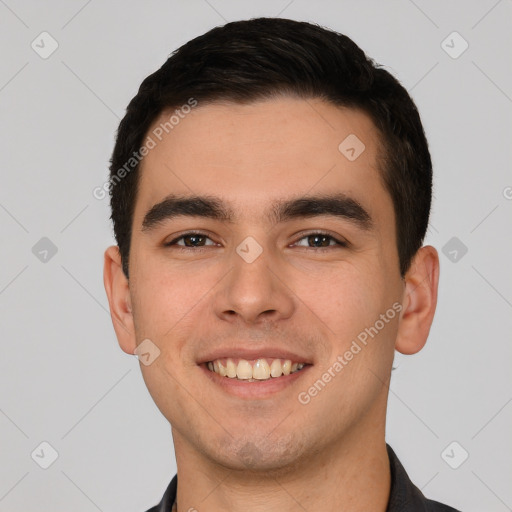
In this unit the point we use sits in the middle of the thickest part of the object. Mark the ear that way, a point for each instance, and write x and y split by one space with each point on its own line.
118 293
419 301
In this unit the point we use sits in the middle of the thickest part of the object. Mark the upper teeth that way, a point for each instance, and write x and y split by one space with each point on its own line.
262 368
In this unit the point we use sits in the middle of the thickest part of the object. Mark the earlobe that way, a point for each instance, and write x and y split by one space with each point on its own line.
420 300
119 299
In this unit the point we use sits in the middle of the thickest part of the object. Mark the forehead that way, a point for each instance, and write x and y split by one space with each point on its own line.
254 153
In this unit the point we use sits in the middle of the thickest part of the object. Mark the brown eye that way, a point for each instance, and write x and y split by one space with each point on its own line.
190 240
321 241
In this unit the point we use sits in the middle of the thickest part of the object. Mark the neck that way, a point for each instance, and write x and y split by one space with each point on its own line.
353 475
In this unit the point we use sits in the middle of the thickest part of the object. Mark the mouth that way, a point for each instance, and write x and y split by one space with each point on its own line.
254 370
254 378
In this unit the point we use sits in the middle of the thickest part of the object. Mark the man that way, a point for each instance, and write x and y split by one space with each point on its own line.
270 191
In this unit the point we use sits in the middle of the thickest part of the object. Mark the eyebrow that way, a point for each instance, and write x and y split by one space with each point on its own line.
211 207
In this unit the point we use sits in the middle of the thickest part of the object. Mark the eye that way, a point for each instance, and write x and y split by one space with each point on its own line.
190 240
318 240
321 241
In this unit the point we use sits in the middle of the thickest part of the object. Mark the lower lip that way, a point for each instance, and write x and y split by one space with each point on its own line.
254 389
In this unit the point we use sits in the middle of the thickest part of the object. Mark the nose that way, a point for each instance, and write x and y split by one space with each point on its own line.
255 291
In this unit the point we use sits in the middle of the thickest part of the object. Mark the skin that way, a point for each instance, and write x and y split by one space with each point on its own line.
274 453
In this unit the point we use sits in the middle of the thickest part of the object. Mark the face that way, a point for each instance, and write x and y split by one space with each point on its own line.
291 255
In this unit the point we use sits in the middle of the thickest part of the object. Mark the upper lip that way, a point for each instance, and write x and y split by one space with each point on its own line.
253 353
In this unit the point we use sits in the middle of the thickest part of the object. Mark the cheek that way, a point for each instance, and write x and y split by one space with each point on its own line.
167 291
344 297
350 300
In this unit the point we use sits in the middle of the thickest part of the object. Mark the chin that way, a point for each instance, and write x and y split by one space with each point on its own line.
257 455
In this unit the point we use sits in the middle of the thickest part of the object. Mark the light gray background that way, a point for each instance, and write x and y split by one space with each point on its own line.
64 379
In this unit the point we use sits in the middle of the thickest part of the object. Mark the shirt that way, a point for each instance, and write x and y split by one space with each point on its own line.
404 495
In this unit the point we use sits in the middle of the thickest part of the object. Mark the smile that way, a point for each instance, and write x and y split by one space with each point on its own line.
260 369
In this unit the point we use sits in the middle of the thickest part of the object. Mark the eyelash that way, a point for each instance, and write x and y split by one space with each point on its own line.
339 243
